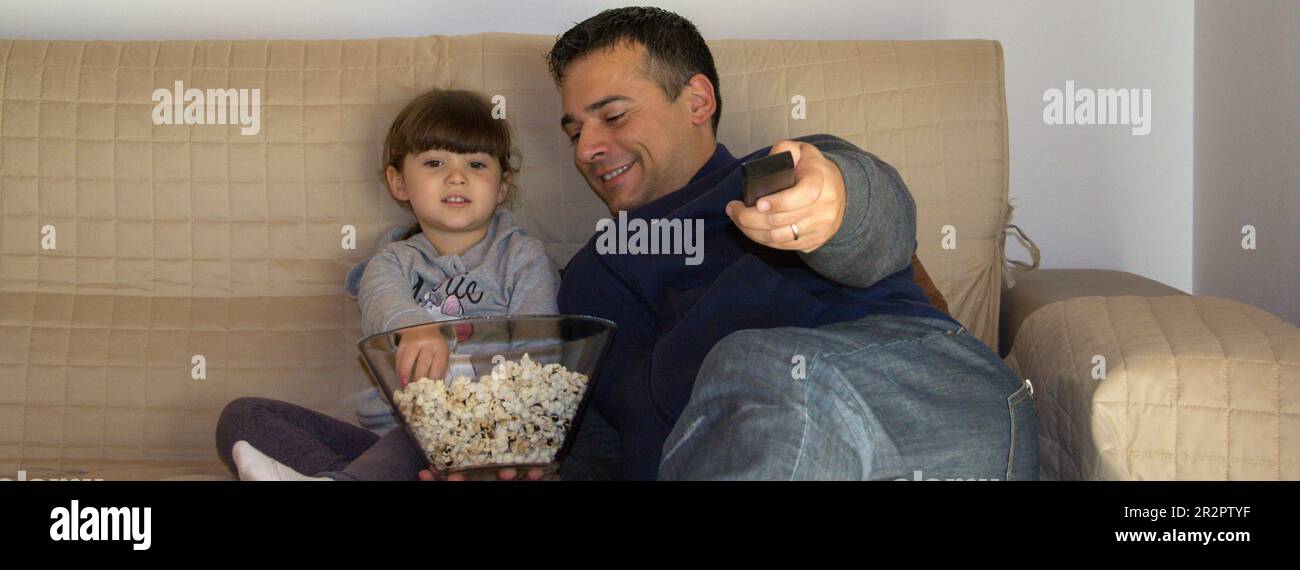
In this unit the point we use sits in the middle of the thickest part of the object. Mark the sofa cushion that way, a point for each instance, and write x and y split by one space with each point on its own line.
1163 388
1038 288
89 380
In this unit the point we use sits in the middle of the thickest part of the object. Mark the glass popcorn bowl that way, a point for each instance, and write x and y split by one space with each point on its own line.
492 393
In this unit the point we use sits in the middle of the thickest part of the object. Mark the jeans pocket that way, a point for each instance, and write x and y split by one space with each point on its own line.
1022 459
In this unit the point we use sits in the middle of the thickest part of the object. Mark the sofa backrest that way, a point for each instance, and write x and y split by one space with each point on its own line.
202 210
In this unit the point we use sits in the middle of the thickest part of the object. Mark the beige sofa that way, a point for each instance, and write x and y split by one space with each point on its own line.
180 249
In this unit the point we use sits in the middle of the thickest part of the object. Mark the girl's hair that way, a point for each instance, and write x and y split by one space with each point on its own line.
452 120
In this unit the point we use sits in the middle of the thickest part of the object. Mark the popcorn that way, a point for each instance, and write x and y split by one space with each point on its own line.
518 414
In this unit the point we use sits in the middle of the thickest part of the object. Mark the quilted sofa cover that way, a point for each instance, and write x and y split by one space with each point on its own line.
1163 388
175 241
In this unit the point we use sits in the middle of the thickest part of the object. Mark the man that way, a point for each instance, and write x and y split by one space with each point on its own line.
798 347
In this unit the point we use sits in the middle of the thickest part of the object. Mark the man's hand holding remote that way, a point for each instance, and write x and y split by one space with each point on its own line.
801 217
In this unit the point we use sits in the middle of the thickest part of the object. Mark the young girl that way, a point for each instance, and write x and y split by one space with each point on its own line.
448 159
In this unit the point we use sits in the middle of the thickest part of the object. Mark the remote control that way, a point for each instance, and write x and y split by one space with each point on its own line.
767 175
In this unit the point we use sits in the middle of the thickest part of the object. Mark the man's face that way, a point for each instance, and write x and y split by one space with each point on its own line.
621 125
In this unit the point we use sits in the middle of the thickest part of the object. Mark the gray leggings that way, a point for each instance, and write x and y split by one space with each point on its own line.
315 444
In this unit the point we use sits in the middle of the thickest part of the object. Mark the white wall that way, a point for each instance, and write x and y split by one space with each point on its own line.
1248 152
1093 197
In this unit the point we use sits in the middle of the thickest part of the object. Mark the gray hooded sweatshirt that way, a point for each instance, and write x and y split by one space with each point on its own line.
409 283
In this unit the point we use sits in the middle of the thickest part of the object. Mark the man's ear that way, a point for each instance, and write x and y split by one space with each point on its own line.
396 184
702 98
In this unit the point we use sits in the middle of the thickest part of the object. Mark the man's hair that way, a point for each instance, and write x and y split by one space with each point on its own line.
675 51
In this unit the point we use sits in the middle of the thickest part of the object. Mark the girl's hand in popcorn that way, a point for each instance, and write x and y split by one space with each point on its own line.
424 348
534 474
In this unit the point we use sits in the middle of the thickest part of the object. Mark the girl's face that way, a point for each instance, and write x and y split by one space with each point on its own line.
448 191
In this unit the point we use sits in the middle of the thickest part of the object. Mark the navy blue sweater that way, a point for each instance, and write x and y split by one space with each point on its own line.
670 314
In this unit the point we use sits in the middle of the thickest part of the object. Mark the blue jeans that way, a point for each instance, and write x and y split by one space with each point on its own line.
883 397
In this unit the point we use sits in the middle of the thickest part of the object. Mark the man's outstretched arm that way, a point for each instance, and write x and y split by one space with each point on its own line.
849 214
878 234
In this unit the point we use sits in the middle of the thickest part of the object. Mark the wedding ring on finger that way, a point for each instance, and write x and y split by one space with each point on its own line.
794 228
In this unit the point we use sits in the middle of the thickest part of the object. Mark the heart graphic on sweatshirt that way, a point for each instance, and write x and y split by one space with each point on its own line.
451 307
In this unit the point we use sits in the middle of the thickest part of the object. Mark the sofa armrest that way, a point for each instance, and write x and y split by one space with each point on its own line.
1041 287
1174 387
